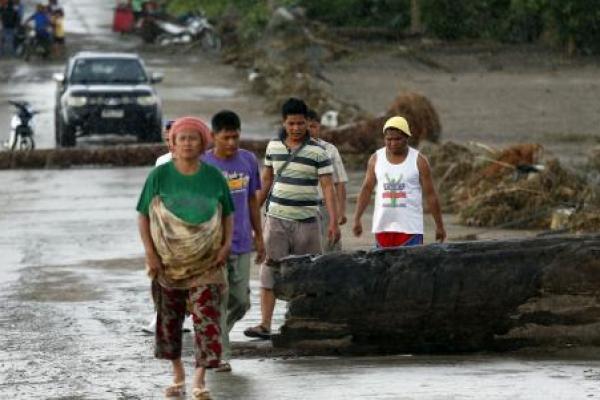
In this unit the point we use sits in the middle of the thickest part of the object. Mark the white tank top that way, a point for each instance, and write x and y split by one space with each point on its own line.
398 196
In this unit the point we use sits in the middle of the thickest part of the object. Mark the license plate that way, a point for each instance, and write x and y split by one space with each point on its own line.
113 113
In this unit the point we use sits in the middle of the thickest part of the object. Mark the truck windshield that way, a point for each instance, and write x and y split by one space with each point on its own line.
108 71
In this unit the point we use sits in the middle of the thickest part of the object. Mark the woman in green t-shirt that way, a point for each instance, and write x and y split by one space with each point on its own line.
186 224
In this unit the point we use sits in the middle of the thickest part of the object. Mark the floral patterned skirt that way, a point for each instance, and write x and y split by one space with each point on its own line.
203 303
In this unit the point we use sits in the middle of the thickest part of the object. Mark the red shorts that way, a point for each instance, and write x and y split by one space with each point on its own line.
398 239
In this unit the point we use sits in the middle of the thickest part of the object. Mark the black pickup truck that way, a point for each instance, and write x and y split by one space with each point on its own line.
106 93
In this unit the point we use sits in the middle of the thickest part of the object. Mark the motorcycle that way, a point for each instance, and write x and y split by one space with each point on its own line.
193 28
35 45
21 127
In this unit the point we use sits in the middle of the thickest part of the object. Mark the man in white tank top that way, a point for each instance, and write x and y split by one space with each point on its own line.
400 175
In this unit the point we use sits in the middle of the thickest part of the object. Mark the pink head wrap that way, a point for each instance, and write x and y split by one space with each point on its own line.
192 124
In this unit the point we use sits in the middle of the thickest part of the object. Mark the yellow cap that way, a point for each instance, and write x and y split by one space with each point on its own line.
399 123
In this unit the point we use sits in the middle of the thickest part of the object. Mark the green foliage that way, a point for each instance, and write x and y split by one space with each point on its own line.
451 19
213 8
373 13
526 21
254 14
574 22
577 21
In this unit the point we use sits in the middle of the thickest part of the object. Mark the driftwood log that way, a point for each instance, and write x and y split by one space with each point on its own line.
475 296
116 156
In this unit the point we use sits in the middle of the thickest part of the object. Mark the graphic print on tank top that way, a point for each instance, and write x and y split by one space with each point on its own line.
394 192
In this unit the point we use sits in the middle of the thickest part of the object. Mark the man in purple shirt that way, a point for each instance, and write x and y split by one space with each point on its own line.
242 173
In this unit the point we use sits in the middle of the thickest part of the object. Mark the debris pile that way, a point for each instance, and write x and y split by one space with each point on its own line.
525 201
587 219
594 160
452 165
287 60
365 136
510 188
421 115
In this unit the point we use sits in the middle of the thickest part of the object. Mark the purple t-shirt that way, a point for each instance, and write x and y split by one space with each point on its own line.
242 175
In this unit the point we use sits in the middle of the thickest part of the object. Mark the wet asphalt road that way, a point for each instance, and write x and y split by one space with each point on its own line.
73 295
195 82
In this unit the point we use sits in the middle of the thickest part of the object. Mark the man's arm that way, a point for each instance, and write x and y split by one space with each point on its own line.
326 183
259 244
431 197
266 183
364 197
152 259
340 191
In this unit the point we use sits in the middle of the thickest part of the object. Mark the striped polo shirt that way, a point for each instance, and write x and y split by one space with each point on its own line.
295 195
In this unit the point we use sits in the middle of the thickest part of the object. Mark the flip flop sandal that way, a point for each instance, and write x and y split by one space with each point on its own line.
258 332
224 366
175 391
201 394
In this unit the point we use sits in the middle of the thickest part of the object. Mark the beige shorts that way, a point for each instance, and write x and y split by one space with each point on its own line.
284 238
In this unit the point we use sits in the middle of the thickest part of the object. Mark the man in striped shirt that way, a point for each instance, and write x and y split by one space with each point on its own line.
290 189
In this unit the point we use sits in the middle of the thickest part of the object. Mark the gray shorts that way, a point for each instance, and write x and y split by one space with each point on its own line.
284 238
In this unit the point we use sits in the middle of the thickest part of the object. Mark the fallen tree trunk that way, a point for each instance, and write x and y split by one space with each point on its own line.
116 156
497 295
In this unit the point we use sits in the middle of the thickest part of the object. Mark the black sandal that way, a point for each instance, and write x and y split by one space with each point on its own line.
258 331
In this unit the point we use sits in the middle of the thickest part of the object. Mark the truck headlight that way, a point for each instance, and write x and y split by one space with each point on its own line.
147 100
76 101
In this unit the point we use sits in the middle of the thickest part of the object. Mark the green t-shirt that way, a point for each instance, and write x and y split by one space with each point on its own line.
192 198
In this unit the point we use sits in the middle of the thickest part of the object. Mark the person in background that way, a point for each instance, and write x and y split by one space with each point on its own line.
42 25
186 224
241 170
400 175
339 181
53 7
167 156
9 14
20 10
58 29
138 7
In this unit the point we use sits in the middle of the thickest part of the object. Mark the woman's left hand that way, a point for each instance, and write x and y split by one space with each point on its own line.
222 256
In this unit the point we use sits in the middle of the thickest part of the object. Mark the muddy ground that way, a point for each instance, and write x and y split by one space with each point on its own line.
494 94
73 296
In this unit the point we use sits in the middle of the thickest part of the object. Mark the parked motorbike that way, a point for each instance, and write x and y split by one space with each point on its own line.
193 28
21 127
36 46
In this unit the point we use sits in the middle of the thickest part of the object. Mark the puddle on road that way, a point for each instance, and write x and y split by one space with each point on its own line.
51 284
76 283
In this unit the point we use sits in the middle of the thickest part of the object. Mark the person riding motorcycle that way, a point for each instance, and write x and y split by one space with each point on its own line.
42 25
